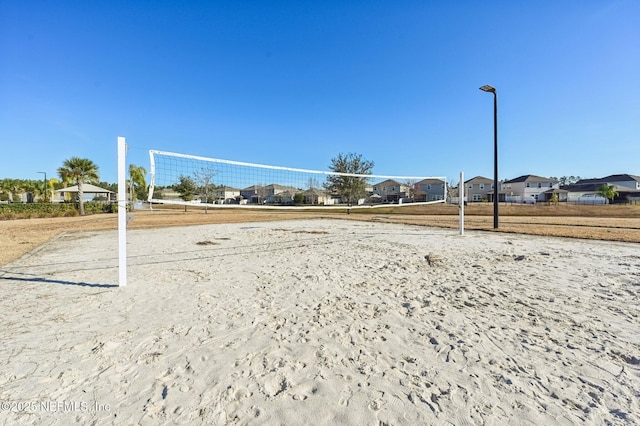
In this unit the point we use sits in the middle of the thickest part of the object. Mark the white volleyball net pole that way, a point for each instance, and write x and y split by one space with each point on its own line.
461 202
122 212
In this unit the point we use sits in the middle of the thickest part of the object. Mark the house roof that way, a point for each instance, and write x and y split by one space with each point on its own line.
389 182
313 191
592 187
86 188
429 180
610 178
529 178
274 186
279 187
479 179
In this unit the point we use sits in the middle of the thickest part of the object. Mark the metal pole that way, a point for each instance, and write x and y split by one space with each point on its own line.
491 89
45 185
495 160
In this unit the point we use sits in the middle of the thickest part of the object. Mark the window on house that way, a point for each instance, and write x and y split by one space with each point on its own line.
470 186
528 185
539 185
482 186
429 186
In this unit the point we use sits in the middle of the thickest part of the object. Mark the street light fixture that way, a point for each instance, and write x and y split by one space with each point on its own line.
45 186
492 89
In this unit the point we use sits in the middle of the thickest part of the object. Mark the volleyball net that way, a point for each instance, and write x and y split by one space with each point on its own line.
194 180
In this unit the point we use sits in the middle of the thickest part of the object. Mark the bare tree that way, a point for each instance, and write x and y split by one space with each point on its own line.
412 189
204 180
261 192
313 183
453 189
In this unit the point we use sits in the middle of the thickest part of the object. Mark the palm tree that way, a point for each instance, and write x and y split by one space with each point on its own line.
607 191
16 186
6 188
80 170
51 186
66 180
33 189
137 181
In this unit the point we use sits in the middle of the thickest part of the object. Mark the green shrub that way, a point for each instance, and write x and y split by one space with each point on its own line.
29 210
95 208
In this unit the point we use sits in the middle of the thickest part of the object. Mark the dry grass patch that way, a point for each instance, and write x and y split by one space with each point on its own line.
614 223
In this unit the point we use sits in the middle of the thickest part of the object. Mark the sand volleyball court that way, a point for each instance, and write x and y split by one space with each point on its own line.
321 322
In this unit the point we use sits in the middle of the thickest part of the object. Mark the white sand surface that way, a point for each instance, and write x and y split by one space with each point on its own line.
321 322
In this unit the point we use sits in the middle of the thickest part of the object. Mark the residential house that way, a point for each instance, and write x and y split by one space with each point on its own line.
226 195
390 191
527 189
429 190
626 180
258 194
585 191
285 197
314 196
252 194
478 188
166 193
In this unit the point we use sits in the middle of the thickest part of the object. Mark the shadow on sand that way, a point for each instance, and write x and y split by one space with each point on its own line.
48 281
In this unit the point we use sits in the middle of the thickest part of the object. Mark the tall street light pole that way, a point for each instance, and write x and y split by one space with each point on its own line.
45 186
491 89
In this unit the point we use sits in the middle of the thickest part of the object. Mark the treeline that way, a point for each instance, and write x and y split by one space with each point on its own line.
12 189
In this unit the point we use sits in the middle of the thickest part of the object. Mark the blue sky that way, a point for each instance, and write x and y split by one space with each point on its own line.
295 83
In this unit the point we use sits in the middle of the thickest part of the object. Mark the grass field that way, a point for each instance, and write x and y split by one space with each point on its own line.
604 222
